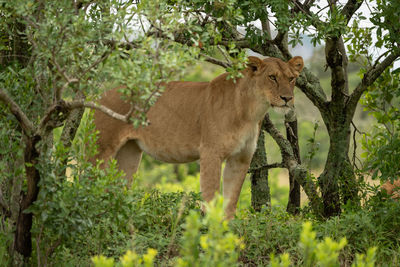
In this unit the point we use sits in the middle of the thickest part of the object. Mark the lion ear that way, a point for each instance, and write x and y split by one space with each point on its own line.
297 63
254 63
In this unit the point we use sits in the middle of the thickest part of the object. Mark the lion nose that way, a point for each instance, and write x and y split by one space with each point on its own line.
286 98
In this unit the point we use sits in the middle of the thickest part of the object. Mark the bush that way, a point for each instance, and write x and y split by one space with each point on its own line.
277 233
218 246
267 233
130 259
324 253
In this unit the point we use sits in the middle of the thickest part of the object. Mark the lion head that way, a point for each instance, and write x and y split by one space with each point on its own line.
275 79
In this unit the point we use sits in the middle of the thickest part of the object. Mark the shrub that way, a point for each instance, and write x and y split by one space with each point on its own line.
266 233
324 253
218 246
130 259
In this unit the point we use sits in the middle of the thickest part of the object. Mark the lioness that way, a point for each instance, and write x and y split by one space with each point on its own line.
207 121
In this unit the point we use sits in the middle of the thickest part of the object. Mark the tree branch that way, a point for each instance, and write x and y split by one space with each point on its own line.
281 41
98 61
80 104
216 61
60 90
225 54
336 60
351 7
295 169
369 78
311 87
267 166
265 26
15 109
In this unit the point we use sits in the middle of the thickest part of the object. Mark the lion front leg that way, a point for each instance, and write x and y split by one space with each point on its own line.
234 174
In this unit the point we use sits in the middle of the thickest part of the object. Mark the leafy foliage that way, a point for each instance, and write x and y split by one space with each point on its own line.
382 146
128 260
217 247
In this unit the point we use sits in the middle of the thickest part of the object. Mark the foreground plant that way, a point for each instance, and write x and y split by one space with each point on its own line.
207 241
324 253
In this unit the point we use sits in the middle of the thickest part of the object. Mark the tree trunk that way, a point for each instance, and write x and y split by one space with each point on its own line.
260 192
71 126
338 180
23 238
293 205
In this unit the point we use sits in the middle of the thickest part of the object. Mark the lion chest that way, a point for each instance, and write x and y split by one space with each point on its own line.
245 140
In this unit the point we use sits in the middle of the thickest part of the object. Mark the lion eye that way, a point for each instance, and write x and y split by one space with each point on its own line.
272 77
291 79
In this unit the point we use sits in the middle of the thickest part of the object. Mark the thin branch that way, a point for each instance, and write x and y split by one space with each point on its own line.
223 52
356 129
58 67
128 45
60 90
322 9
239 43
52 248
355 144
267 166
147 102
308 3
379 59
215 61
16 110
305 9
98 61
299 6
80 104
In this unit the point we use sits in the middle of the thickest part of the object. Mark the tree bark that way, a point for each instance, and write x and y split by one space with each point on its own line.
260 192
23 241
72 122
293 205
338 183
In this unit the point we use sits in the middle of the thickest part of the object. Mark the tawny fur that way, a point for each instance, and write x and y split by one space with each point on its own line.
392 189
207 121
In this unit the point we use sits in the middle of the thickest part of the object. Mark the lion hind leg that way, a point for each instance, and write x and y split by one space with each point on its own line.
128 158
210 176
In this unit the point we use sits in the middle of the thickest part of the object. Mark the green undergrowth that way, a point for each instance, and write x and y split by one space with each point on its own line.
274 239
167 229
